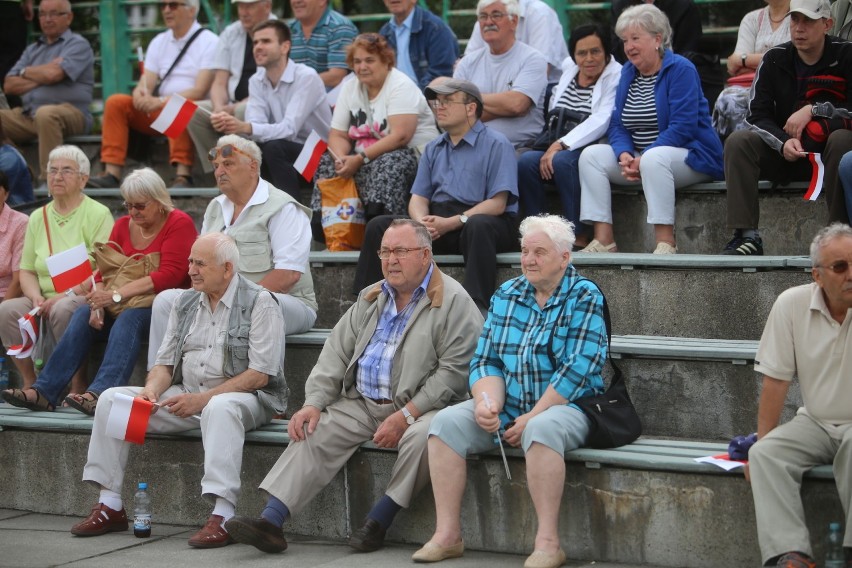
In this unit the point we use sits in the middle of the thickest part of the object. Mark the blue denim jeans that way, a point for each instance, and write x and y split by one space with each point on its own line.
124 337
566 178
844 172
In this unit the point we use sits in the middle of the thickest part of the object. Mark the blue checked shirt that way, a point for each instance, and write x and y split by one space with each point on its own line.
519 337
374 365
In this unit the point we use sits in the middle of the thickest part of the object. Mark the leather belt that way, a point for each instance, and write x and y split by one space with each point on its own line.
380 400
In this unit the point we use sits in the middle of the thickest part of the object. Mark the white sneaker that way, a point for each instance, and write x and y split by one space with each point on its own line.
597 246
665 248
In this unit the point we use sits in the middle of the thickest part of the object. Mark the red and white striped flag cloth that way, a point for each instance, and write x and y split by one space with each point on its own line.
29 335
815 187
175 116
308 160
69 268
141 58
128 418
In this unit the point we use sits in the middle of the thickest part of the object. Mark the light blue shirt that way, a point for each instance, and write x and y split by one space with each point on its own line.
403 37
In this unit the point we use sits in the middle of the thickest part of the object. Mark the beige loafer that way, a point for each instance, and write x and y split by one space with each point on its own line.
434 552
542 559
597 246
665 248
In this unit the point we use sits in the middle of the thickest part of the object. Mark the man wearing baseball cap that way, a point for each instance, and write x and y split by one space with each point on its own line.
465 192
797 87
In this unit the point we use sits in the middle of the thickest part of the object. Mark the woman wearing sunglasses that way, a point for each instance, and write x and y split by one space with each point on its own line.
152 225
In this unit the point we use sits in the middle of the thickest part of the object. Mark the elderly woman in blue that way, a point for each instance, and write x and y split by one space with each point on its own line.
543 345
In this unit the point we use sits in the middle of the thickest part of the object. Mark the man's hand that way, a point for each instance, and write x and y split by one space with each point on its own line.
348 165
513 434
793 150
296 428
797 122
226 123
747 473
147 103
390 431
487 415
439 226
186 404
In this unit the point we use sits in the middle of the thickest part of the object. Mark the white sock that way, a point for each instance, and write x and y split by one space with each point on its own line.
111 499
224 509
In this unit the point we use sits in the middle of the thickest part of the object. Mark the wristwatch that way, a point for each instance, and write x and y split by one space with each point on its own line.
70 292
364 157
409 419
22 72
116 297
744 57
463 218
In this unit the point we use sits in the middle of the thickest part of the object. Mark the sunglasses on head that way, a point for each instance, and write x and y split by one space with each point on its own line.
226 151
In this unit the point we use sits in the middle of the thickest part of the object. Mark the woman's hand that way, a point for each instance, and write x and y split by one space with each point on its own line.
629 166
96 319
546 164
487 415
347 166
46 305
513 434
99 299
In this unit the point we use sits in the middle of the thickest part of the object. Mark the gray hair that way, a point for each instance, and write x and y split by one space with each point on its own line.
559 229
194 4
826 235
424 239
513 8
225 247
649 18
66 5
73 153
243 144
146 185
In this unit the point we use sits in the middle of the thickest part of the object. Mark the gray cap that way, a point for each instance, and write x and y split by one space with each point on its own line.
813 9
451 86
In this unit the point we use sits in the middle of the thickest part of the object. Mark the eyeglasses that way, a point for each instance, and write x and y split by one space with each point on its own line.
137 206
839 267
52 15
493 16
398 252
583 53
171 5
64 172
439 103
226 151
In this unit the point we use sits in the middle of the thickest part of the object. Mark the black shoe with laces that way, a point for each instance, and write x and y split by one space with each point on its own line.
369 538
744 246
105 181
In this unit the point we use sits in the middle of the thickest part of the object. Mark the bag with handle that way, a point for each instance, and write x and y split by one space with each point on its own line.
117 269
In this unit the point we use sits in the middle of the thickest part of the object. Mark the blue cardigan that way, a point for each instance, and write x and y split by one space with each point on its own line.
682 116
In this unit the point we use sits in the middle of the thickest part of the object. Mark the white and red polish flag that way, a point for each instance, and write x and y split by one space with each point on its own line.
175 116
308 160
29 335
128 418
69 268
818 172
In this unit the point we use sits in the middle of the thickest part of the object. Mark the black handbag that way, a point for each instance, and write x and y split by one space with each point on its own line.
614 420
558 122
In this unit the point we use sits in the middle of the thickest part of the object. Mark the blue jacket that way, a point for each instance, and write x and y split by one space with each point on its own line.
433 47
682 116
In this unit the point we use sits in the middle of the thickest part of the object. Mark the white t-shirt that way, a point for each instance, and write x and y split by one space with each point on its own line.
366 121
164 49
521 69
756 35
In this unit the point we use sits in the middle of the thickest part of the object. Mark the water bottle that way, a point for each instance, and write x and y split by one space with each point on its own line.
142 512
834 556
4 374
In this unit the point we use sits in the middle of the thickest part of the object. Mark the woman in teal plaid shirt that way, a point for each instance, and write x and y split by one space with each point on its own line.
544 344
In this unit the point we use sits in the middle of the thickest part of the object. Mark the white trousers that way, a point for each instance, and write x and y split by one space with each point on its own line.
223 422
662 169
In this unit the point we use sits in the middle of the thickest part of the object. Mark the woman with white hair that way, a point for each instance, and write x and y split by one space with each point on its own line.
71 219
152 225
544 344
660 135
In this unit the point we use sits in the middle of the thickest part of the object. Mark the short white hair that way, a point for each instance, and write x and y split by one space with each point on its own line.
559 229
649 18
243 144
225 247
512 6
73 153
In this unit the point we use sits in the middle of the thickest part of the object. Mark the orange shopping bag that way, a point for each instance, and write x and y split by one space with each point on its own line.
342 214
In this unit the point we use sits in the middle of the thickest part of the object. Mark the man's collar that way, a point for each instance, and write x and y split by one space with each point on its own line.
471 136
818 302
434 290
260 195
406 23
64 36
227 298
424 284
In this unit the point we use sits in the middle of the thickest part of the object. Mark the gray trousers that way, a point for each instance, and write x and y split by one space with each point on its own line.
306 467
777 463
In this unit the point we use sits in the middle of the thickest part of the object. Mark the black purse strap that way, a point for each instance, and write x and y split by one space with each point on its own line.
156 92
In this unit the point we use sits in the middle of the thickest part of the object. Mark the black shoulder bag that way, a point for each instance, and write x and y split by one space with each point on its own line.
614 419
156 91
557 123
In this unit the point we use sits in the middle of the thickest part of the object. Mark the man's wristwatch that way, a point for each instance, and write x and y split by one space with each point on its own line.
463 218
364 157
409 419
22 72
116 297
743 58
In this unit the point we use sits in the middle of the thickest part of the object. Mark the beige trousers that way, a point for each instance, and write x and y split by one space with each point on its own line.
306 467
50 125
204 137
60 315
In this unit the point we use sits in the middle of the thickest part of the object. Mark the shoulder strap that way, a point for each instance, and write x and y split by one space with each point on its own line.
177 60
47 230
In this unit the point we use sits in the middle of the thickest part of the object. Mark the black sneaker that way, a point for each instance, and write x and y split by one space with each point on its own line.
105 181
744 246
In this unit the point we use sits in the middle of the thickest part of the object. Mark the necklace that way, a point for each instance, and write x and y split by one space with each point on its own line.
144 236
773 20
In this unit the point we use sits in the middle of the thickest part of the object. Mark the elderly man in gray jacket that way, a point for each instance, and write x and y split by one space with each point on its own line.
396 357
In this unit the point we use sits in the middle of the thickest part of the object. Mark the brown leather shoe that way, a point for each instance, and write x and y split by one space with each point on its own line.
212 534
97 523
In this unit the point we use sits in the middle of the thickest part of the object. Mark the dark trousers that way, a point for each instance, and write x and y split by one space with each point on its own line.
278 158
479 241
749 159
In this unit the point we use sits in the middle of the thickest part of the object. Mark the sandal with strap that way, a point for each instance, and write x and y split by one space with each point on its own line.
82 403
18 397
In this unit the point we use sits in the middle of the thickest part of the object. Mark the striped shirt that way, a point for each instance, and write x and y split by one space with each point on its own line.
563 344
373 379
326 48
577 98
639 116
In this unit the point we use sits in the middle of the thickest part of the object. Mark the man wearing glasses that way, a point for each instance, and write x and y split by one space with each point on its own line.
807 336
465 192
54 77
179 61
395 358
511 75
